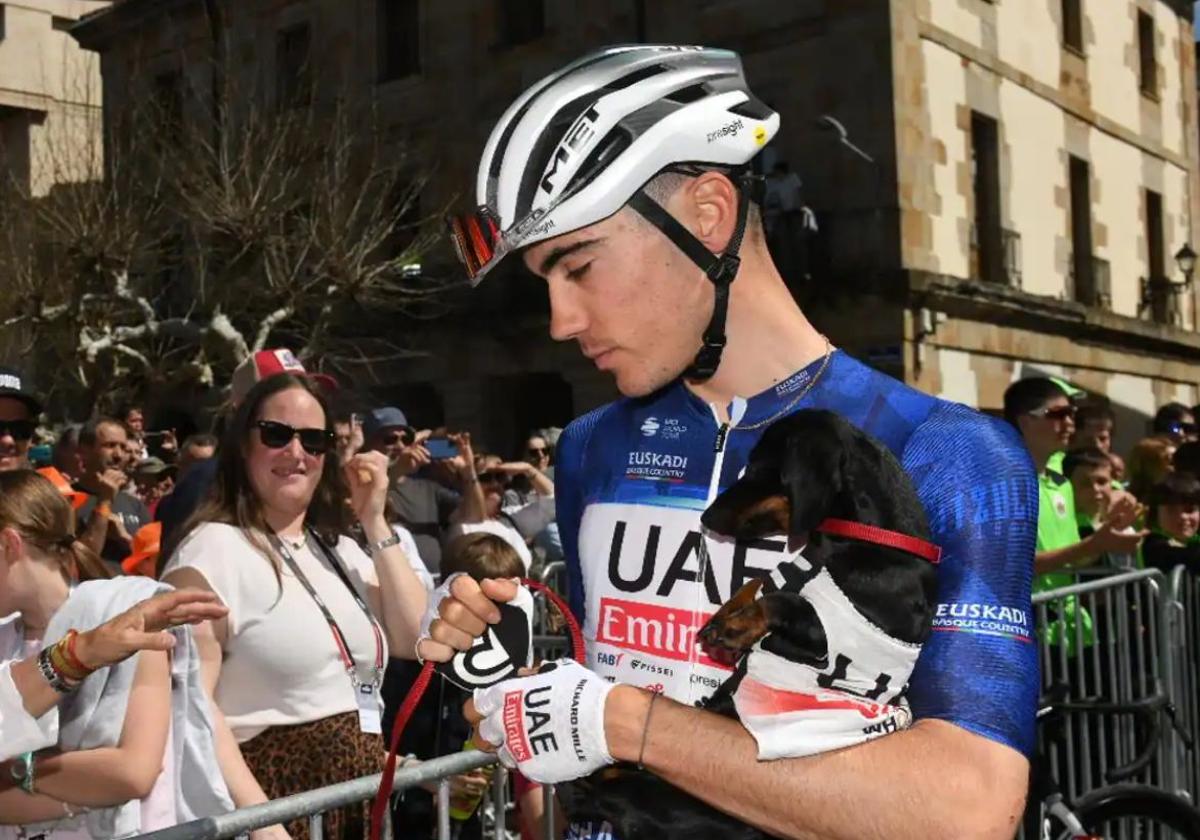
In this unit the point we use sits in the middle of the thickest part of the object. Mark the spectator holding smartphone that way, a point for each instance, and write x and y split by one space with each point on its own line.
424 506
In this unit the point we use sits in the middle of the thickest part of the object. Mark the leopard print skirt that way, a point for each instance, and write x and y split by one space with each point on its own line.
293 759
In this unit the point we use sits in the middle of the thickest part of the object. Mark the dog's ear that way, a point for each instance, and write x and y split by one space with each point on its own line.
813 473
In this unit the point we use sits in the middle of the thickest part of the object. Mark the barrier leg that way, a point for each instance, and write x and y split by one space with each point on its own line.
548 812
316 827
443 809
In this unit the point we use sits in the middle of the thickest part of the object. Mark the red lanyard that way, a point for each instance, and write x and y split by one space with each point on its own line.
339 637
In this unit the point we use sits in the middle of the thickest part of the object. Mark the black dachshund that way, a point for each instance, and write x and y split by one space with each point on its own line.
810 467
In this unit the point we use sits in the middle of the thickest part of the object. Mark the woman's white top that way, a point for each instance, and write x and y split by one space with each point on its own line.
281 664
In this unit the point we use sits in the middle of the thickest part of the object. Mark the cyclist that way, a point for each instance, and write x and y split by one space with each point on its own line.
621 180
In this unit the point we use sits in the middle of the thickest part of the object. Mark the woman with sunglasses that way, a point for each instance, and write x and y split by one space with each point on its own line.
295 667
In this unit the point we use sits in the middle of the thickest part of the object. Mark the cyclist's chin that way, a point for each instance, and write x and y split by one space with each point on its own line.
634 380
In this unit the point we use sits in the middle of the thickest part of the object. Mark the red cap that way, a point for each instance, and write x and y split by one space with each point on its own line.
268 363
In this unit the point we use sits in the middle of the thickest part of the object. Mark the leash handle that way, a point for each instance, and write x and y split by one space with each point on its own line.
386 784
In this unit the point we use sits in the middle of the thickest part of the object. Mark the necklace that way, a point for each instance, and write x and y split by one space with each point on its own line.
795 400
296 543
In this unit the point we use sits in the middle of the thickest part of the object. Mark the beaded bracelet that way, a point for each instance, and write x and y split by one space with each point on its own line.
64 663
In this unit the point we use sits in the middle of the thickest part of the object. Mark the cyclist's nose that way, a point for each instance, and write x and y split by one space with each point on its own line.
568 318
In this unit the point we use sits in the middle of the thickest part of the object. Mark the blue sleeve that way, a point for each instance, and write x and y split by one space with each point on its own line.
979 668
570 456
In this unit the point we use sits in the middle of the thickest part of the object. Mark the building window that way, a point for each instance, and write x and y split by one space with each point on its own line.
1156 260
521 21
1 21
167 99
1081 232
293 81
985 172
1072 24
1147 65
398 24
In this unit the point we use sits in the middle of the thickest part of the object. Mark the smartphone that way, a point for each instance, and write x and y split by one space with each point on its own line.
440 449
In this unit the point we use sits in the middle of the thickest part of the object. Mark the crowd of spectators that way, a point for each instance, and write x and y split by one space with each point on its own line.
303 510
1097 509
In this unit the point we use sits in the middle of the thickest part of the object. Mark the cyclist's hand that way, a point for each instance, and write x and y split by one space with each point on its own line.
459 611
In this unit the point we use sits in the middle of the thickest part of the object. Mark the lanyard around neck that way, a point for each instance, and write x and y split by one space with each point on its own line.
339 637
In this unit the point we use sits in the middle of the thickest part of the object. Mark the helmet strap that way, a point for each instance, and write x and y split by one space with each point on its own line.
720 270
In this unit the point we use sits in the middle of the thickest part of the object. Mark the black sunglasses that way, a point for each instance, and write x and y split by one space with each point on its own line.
1183 428
1061 413
493 477
17 429
402 436
278 435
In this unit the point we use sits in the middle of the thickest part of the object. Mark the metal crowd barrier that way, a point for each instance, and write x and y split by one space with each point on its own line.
313 804
1105 637
1183 620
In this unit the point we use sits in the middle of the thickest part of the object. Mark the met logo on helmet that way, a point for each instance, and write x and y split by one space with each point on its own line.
581 132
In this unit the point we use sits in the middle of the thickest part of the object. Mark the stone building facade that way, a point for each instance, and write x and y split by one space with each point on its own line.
50 127
1024 168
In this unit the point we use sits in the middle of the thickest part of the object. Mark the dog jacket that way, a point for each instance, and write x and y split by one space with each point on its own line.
793 709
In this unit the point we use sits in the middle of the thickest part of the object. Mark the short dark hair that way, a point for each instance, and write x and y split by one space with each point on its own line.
1091 411
200 439
1187 458
87 434
1175 488
1168 416
482 555
1026 395
1084 456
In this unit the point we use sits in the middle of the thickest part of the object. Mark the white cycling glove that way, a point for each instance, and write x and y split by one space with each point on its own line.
431 610
550 725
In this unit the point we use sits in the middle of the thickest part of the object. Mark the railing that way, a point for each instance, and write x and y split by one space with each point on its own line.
313 803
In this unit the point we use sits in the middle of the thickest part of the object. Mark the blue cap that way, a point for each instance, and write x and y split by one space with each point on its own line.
380 419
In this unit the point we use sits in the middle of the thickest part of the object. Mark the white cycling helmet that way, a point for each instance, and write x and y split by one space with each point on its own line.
580 144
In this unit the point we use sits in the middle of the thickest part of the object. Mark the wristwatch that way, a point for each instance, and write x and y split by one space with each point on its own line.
387 542
22 771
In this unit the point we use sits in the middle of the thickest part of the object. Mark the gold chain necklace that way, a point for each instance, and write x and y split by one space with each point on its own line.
795 400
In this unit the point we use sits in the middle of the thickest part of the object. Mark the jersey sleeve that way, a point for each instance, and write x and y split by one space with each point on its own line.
570 462
979 668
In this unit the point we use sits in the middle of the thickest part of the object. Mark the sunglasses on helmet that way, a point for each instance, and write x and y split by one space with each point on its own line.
478 241
315 442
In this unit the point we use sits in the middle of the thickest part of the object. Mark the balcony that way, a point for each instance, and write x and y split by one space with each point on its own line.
1094 289
1005 267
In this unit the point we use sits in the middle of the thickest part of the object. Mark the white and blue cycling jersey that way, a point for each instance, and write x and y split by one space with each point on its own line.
633 477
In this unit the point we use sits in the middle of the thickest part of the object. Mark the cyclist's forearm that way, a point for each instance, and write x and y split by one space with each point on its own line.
931 781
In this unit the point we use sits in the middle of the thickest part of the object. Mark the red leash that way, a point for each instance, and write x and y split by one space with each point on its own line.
384 794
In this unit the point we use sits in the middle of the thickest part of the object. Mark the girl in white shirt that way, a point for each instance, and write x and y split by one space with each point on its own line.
296 666
82 792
